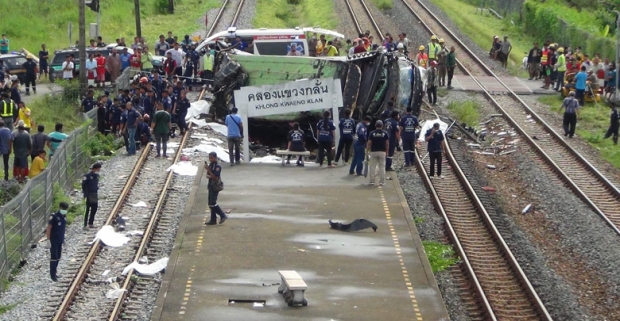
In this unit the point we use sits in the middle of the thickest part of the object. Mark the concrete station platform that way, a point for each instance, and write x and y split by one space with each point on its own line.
279 221
518 85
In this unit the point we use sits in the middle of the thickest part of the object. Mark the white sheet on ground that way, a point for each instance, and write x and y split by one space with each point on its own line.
222 129
139 204
206 148
197 108
115 292
200 123
426 125
269 159
109 237
147 269
184 168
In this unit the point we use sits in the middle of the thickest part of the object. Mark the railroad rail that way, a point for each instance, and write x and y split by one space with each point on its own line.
502 289
220 13
582 177
86 266
356 20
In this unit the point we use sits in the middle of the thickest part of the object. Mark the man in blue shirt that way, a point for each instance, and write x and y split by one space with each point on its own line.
241 44
235 133
391 127
436 145
55 233
347 128
125 56
408 125
166 101
130 128
580 85
361 132
325 131
378 146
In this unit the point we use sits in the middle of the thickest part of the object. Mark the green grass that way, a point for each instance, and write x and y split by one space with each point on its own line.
583 19
418 220
482 28
383 4
440 256
49 109
60 196
33 22
295 13
465 111
591 127
6 308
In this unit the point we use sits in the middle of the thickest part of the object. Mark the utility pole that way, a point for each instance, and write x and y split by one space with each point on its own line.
138 26
82 46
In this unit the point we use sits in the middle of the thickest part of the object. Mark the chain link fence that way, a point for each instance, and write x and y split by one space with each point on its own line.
24 218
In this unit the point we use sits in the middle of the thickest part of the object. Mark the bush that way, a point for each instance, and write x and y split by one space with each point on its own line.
465 112
383 4
102 145
440 256
8 190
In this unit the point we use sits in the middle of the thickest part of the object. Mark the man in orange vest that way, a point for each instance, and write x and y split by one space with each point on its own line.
422 57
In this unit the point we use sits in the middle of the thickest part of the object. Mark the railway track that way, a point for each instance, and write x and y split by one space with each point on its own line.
81 296
500 286
583 178
357 20
218 23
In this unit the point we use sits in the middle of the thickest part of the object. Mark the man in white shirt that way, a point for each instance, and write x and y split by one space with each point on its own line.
67 69
177 55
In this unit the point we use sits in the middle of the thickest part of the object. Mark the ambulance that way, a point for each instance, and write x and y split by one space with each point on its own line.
270 42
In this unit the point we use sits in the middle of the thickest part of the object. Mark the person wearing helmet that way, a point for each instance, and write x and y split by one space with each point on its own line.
432 82
560 66
433 49
31 74
441 62
143 131
401 48
143 80
422 58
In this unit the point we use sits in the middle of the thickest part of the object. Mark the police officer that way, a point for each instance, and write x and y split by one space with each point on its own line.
90 187
88 103
388 111
180 109
7 110
614 124
214 171
296 143
391 127
408 125
31 74
377 147
55 234
436 145
347 128
361 134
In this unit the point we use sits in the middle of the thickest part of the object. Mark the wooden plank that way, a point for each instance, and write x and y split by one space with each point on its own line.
288 152
289 274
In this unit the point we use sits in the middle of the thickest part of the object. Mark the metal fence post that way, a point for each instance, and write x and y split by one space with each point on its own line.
24 209
5 258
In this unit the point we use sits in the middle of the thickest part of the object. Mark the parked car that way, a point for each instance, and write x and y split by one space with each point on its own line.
60 55
15 65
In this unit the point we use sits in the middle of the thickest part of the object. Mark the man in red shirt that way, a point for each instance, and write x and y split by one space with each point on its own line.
135 62
360 47
100 70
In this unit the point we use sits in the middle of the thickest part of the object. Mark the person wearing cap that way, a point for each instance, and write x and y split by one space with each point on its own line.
432 82
377 149
433 49
560 66
22 147
90 188
421 57
38 164
436 145
571 113
31 74
408 125
113 65
6 145
614 123
143 131
505 50
55 235
214 174
125 57
441 62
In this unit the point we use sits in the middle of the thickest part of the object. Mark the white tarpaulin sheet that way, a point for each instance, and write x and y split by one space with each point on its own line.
109 237
206 148
183 168
147 269
115 292
197 108
199 123
222 129
269 159
428 125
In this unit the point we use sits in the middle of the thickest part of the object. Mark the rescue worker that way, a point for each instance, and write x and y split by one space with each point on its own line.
296 144
432 81
359 146
433 49
544 63
214 172
8 111
451 65
441 62
207 69
325 132
560 66
571 112
90 187
408 125
421 57
55 234
347 128
88 103
31 74
391 127
614 124
181 106
434 138
377 149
